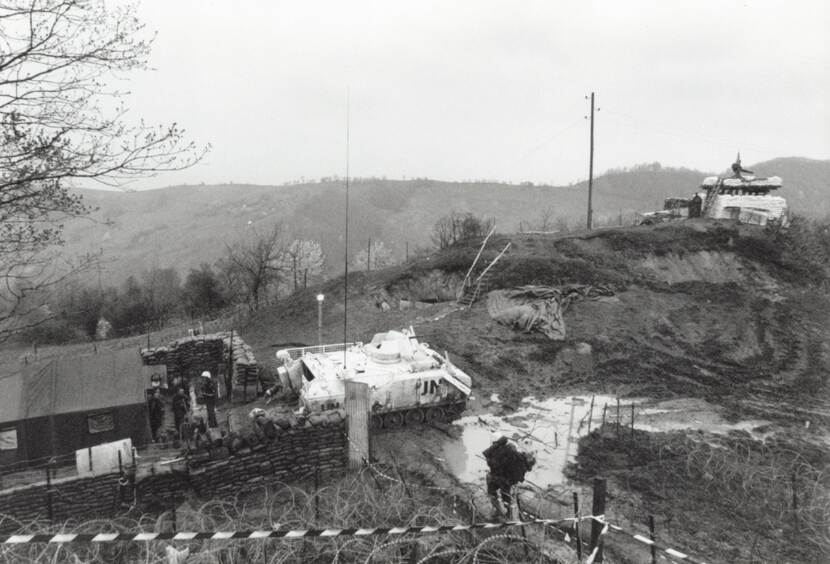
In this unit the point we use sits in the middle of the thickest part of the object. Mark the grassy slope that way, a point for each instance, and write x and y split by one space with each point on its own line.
738 329
186 225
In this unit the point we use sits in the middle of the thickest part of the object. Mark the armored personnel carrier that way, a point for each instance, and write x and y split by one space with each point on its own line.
409 382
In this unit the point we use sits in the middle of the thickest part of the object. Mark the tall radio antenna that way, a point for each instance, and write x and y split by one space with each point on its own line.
346 237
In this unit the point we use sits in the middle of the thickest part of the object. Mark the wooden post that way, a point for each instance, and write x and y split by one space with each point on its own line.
795 499
316 497
598 509
604 409
576 527
89 453
590 414
520 517
618 417
632 422
49 510
357 421
400 476
173 513
120 464
229 376
651 534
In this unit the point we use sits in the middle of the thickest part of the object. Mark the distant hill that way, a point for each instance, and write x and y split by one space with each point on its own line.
183 226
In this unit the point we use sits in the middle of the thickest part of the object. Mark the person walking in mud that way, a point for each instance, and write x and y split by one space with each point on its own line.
506 468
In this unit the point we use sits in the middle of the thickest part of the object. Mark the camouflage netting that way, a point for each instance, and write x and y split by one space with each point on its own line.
539 308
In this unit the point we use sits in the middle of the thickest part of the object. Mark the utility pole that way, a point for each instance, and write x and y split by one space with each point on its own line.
591 167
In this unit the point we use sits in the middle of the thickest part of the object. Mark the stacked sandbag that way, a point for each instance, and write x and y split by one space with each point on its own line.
292 447
188 357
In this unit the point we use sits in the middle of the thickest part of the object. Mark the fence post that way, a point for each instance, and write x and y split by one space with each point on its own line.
49 509
413 554
590 414
520 517
604 409
89 453
316 497
795 499
400 475
576 527
598 510
632 422
618 418
651 534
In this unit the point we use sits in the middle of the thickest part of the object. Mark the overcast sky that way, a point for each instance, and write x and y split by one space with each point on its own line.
484 89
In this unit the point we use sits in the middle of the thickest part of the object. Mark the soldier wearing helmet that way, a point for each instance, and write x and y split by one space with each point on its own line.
506 468
209 396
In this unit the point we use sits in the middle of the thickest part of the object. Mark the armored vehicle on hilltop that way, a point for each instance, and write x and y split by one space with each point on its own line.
409 383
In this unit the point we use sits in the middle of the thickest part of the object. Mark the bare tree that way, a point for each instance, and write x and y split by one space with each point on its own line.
303 259
377 255
255 263
457 227
56 57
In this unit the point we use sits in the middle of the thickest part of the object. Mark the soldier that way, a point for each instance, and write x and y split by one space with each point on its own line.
181 406
506 468
209 395
155 407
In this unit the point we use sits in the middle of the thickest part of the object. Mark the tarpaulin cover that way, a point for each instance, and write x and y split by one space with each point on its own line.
539 308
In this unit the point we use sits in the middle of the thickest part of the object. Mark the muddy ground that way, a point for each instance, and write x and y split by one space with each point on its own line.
719 339
710 316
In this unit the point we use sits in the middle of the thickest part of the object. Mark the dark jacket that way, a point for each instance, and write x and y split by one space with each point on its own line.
156 409
181 405
506 462
209 390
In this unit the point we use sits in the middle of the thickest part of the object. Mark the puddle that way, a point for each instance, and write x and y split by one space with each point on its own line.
538 426
543 427
692 413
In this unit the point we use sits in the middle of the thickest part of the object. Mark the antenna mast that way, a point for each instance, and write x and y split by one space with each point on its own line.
346 237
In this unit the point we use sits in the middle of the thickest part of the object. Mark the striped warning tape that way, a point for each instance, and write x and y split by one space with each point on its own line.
264 534
673 553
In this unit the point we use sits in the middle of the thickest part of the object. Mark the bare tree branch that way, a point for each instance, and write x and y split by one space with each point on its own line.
56 61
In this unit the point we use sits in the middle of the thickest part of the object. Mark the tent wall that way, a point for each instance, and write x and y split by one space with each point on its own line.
72 431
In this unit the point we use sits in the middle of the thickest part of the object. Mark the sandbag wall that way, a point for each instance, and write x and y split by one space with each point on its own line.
316 444
68 498
189 356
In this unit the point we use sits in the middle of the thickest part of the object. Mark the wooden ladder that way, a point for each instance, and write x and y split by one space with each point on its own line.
481 284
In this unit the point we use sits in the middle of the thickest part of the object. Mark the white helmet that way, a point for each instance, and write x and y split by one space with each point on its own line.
206 374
